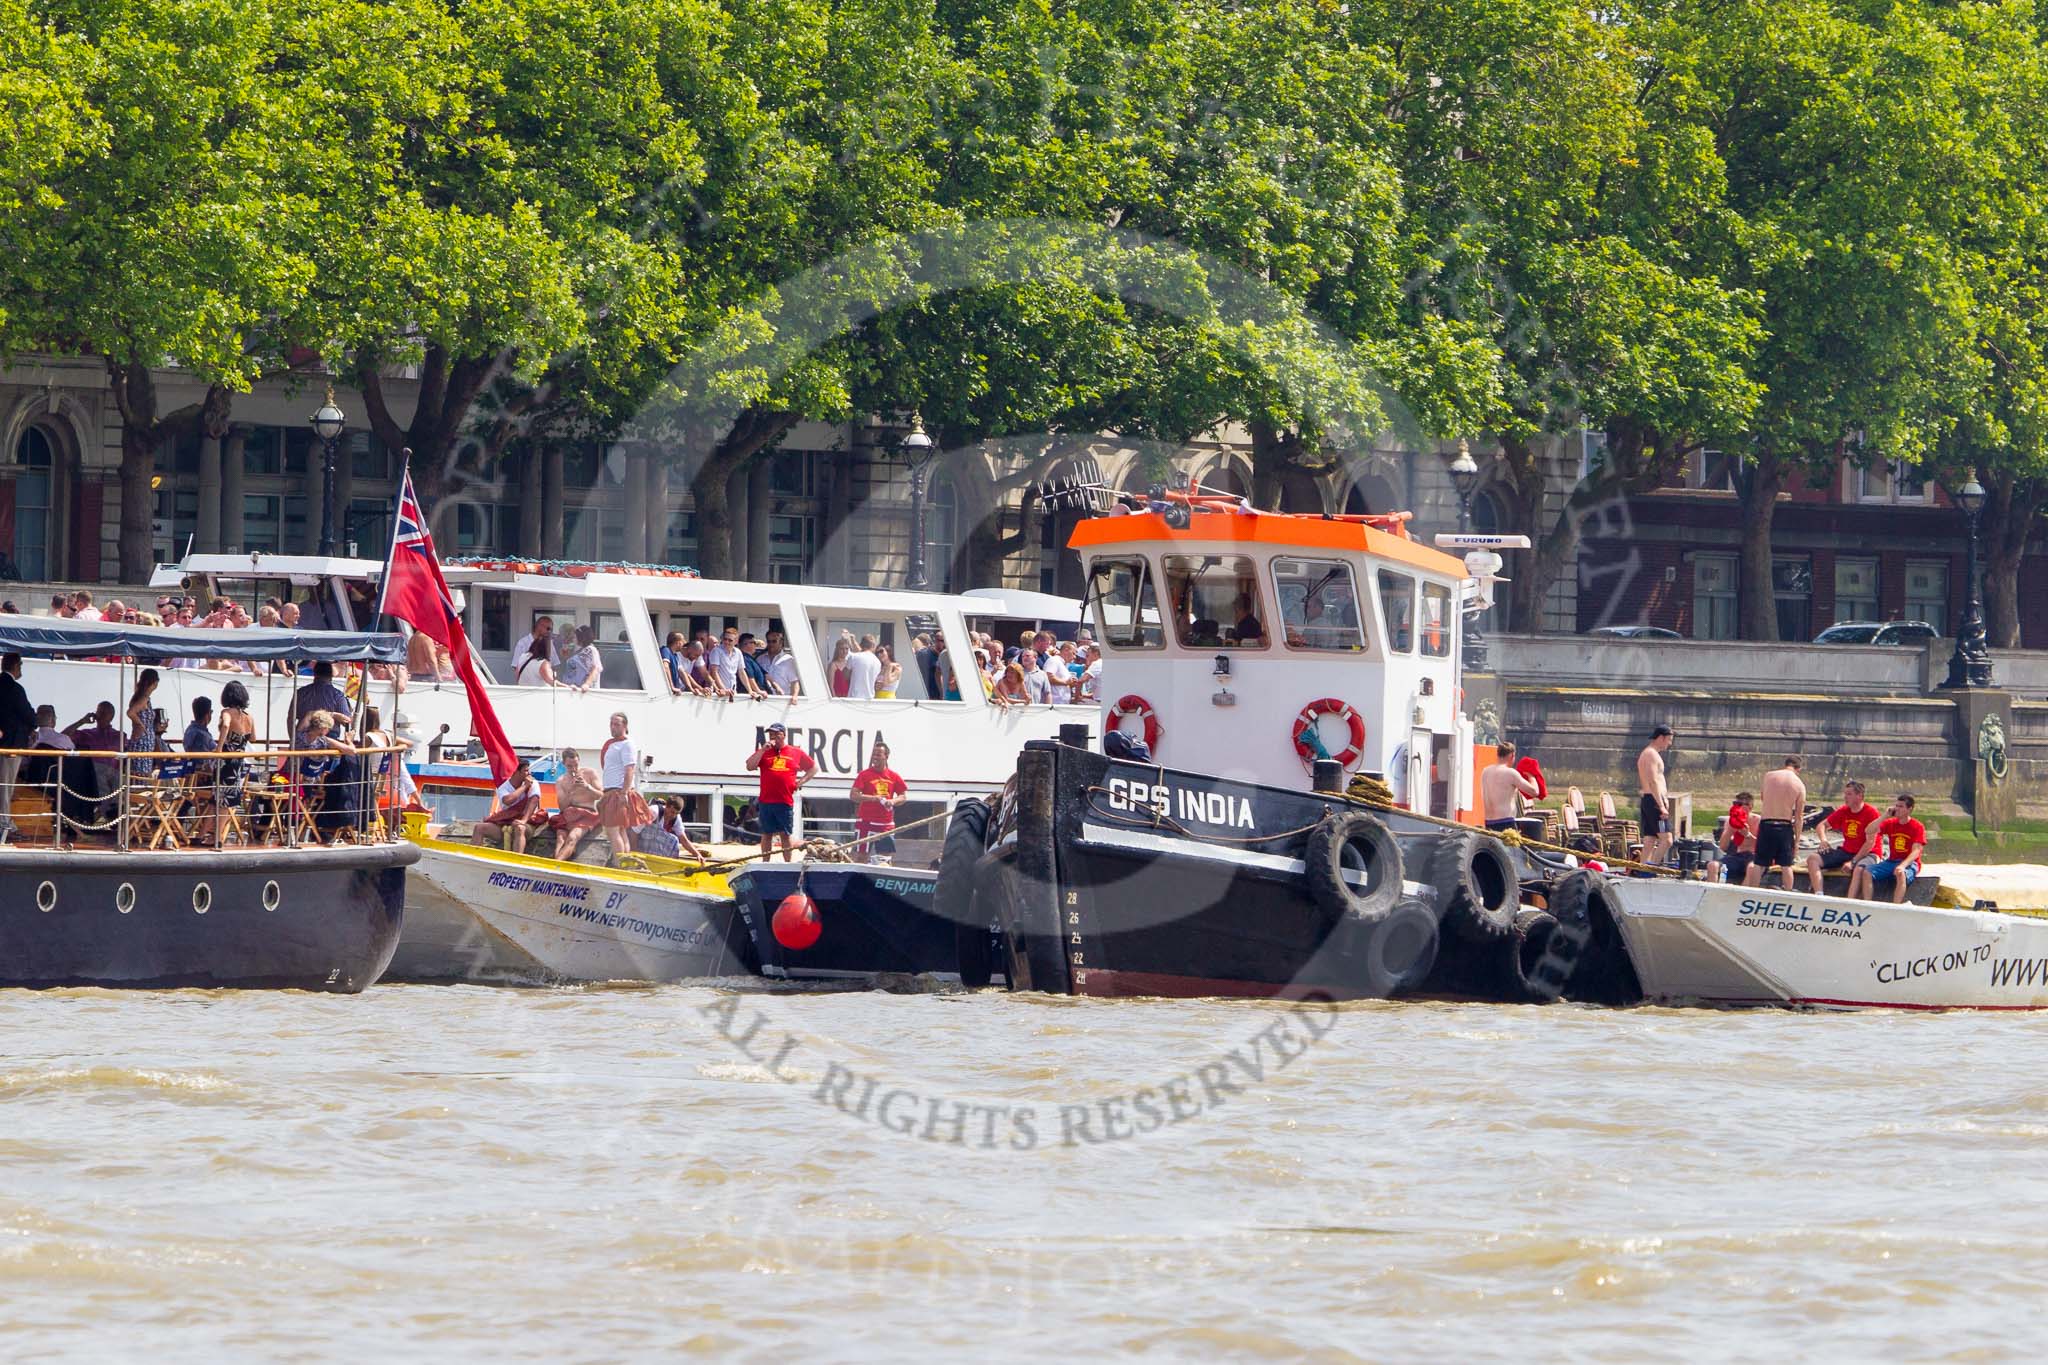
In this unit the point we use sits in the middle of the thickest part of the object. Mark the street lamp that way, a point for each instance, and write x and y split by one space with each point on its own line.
1465 478
327 425
917 449
1970 664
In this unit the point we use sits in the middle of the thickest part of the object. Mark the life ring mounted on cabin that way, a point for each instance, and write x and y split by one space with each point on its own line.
1308 740
1129 705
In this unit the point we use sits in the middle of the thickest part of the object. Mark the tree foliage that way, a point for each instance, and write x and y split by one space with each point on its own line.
1798 229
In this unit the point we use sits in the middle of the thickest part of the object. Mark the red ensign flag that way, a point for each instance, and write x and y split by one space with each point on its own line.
417 594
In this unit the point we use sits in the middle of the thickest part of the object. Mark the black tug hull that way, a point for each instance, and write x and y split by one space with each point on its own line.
320 919
876 921
1101 895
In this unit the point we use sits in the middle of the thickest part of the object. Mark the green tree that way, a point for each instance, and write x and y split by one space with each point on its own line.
1998 430
1571 200
829 149
1858 179
472 193
1219 241
159 240
48 124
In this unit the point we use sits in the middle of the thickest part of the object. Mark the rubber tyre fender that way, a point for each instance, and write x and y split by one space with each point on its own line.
1376 959
954 898
1533 973
1477 892
1587 949
1366 837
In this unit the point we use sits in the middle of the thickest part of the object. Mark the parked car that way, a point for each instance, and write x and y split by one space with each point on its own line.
1635 633
1877 633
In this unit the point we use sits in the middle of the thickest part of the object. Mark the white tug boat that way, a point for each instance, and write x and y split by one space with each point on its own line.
1274 660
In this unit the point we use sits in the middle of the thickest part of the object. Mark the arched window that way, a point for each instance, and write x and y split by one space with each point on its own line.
34 495
1371 493
1488 516
1225 476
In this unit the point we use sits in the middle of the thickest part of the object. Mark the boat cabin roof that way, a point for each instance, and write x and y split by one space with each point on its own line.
304 570
54 638
1245 525
1021 605
633 583
729 592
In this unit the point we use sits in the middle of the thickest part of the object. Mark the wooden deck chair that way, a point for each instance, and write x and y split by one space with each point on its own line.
154 800
270 808
376 794
305 781
233 823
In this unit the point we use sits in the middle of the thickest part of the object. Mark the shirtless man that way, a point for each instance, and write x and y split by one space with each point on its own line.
1777 833
1501 789
1655 811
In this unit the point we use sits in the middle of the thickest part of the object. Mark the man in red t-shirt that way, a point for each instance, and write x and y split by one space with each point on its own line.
1895 848
784 769
879 791
1854 820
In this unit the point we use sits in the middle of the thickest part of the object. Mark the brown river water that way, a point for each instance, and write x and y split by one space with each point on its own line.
595 1174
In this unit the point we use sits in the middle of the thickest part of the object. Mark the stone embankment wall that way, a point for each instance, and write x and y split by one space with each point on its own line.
1586 706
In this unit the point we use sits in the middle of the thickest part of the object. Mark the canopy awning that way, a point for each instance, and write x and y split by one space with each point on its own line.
51 637
1017 604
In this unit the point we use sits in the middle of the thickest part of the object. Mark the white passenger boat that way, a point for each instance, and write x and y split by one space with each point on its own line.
1706 943
482 915
695 747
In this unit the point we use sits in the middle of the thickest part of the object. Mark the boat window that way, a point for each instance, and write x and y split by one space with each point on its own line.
1126 608
1318 604
1436 620
1216 601
892 633
1397 606
621 669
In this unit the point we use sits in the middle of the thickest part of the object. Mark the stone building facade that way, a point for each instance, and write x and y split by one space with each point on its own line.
831 504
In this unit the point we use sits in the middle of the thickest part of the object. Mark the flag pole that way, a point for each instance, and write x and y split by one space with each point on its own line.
391 541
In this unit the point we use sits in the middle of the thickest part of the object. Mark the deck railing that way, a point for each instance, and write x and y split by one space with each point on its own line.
173 799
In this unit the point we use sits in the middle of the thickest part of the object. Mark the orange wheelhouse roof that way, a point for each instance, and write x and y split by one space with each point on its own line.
1279 530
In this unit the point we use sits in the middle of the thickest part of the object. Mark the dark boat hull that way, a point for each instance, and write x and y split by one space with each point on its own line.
1099 895
877 921
322 919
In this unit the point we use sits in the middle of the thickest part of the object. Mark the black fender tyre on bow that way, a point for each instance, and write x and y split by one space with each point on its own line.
1530 965
1477 894
966 838
1353 842
1393 954
1585 958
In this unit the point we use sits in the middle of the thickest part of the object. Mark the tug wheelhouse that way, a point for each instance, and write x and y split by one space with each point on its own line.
1249 644
1259 657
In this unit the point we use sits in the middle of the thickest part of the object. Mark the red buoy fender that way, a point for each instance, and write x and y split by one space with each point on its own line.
1528 767
1315 711
796 922
1133 705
